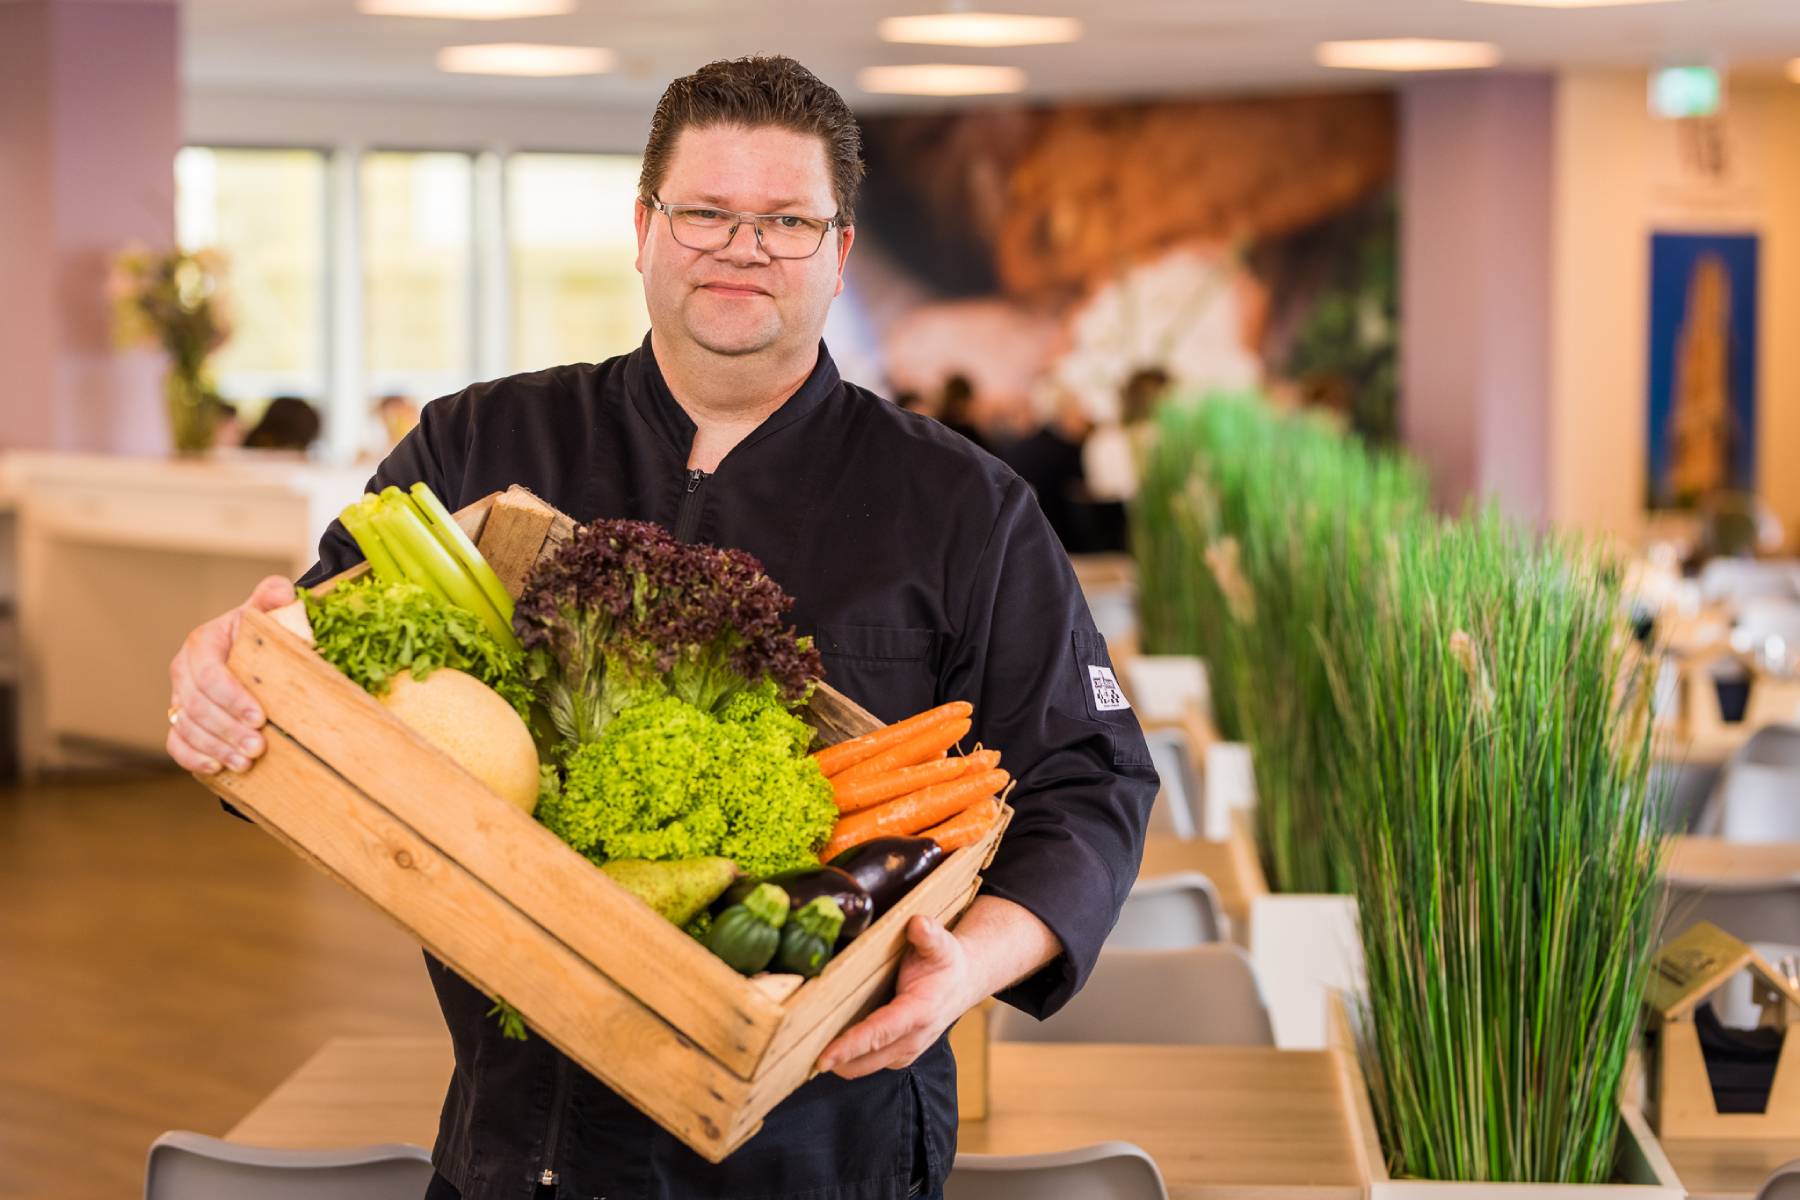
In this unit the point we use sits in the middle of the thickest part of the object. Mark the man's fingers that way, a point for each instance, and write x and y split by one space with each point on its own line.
187 757
273 592
215 731
902 1053
214 680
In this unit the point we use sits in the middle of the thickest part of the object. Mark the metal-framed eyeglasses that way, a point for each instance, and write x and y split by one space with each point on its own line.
709 228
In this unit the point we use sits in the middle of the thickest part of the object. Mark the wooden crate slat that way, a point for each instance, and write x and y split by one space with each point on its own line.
475 930
513 537
574 901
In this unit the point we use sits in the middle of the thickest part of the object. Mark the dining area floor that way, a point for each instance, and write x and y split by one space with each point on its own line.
164 965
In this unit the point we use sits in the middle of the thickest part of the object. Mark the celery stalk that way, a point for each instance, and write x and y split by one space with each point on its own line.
355 520
443 524
402 528
410 567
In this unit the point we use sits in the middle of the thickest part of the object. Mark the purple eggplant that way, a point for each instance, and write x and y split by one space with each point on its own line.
888 867
805 883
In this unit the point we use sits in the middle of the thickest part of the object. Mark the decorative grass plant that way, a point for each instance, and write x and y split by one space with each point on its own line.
1500 833
1249 524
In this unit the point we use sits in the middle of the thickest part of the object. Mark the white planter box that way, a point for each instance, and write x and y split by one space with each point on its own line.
1305 948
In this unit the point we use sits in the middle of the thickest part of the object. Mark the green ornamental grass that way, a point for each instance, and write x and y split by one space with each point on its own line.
1501 835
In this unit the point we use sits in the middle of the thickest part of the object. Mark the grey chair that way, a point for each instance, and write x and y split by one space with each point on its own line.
1782 1184
1177 809
1200 996
1107 1171
1763 912
1171 911
192 1166
1734 580
1757 796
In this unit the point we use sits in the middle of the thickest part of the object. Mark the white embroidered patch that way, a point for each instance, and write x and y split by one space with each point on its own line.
1107 695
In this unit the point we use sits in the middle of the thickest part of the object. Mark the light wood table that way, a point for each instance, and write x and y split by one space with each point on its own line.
1711 858
1220 1121
1727 1170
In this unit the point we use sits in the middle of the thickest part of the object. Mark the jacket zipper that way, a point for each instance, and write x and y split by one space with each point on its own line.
687 518
559 1100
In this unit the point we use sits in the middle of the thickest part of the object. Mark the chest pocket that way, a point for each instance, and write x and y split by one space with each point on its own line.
891 672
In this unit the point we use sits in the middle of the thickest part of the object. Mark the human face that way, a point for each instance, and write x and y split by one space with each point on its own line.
738 300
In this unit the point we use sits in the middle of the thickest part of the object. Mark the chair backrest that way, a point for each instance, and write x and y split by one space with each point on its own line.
1758 803
1169 912
1771 746
1107 1171
1750 912
1782 1184
1200 996
192 1166
1178 801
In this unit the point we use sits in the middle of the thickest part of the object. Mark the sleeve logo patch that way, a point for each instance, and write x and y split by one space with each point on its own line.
1107 695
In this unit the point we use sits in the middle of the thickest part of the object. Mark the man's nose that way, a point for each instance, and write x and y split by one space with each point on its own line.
743 246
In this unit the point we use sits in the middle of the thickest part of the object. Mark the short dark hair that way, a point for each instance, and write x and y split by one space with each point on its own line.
767 90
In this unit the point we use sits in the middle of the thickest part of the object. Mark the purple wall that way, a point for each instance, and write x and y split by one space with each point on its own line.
89 125
1476 178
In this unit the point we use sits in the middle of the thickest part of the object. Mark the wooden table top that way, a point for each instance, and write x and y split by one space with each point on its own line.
1221 1121
1704 858
1713 1169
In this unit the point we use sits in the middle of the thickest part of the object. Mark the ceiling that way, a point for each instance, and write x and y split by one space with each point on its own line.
1132 47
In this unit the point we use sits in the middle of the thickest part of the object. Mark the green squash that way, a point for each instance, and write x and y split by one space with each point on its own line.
748 934
807 938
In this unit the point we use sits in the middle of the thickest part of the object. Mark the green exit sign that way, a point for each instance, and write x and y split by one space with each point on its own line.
1686 92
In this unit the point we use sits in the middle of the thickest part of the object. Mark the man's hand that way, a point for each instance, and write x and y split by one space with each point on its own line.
934 989
942 976
213 720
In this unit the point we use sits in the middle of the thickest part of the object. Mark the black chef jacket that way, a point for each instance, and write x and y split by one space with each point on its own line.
926 572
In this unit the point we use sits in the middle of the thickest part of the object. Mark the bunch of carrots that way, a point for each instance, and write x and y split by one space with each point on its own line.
902 779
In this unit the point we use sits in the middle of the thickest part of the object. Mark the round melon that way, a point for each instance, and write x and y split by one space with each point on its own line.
469 721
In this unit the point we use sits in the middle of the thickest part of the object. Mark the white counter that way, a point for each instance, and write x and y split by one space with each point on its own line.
118 558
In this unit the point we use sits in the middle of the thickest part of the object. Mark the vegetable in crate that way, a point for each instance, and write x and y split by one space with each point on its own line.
808 937
667 781
623 613
887 868
471 723
747 934
808 884
679 890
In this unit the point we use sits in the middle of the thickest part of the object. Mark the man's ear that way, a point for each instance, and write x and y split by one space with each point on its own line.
846 236
640 219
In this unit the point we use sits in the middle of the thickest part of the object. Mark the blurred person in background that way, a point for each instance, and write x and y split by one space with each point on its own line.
956 409
398 414
289 423
1049 460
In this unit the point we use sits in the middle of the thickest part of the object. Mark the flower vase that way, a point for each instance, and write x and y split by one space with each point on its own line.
193 413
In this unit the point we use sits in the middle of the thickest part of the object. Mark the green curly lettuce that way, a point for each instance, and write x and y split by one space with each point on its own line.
372 631
667 781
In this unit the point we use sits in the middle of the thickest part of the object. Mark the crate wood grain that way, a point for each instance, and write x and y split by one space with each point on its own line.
700 1049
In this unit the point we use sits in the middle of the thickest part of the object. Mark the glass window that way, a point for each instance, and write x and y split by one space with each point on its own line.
576 293
418 272
266 210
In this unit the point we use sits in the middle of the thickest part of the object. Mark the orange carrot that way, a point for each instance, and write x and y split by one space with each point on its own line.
930 742
833 759
912 813
966 827
859 791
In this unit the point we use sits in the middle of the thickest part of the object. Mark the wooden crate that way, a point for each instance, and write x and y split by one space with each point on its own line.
700 1049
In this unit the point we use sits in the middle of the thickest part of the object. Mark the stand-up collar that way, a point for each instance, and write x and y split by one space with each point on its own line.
657 405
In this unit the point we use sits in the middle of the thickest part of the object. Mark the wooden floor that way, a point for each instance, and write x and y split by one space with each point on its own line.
162 966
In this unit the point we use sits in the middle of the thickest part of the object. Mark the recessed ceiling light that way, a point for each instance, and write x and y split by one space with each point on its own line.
520 58
1572 3
466 10
979 29
941 79
1408 54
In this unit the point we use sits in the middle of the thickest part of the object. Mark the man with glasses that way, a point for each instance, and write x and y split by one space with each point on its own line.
922 567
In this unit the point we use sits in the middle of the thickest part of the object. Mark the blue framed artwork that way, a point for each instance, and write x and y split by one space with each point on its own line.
1703 298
